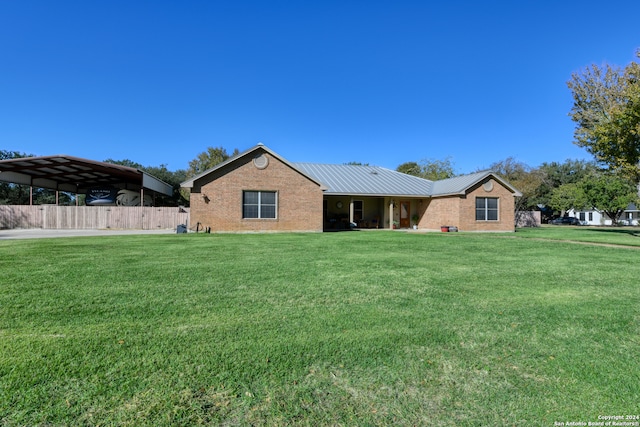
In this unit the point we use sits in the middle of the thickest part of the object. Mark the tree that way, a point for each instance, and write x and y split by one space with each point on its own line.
172 178
208 159
554 174
204 161
410 168
523 177
431 169
609 193
606 110
568 196
162 173
13 194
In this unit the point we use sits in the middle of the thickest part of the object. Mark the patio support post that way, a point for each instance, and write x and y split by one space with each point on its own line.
351 210
391 214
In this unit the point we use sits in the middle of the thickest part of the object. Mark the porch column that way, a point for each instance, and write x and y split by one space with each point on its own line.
351 210
391 214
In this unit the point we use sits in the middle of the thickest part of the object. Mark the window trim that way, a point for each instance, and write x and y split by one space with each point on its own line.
485 209
260 205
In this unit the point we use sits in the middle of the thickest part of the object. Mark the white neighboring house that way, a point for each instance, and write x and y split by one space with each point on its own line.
592 217
631 216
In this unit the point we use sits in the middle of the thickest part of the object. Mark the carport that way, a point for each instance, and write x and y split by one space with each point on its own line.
77 175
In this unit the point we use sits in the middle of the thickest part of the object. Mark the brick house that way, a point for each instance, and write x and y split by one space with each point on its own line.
258 190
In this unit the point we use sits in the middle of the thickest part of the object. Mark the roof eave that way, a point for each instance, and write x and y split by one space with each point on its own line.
416 196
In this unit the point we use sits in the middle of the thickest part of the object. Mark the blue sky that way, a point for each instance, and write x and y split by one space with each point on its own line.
378 82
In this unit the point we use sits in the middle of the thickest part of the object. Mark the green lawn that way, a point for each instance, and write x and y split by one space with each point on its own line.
626 236
354 328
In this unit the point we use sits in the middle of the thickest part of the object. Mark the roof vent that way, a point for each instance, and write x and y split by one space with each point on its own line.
261 161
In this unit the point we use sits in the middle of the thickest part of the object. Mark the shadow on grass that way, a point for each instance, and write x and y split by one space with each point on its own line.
634 232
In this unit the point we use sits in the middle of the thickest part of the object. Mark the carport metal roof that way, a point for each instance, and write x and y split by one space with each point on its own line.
76 175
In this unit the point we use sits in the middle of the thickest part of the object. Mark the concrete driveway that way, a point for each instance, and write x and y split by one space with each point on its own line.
38 233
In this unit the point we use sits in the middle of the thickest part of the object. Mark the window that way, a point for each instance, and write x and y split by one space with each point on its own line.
486 209
259 204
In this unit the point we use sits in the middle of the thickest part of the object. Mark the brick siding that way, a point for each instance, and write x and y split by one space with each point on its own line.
461 211
299 200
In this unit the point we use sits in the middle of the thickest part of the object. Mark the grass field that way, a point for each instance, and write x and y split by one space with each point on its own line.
355 328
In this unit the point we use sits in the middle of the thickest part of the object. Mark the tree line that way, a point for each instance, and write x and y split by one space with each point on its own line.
606 111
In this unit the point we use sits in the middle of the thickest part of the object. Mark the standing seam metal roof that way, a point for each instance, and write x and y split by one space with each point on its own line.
457 184
460 184
368 180
365 180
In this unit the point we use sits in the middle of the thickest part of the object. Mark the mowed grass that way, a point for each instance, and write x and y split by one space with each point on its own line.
625 236
356 328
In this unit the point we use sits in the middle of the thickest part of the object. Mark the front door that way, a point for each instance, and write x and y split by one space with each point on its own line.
405 211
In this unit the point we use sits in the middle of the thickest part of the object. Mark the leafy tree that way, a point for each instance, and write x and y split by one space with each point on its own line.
523 177
204 161
609 193
432 169
208 159
13 194
410 168
172 178
606 110
162 173
568 196
6 155
126 162
554 175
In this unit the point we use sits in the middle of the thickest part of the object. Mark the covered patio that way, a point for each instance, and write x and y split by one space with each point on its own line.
381 212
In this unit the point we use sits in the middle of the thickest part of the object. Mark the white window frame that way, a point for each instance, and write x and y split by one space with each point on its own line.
485 209
260 204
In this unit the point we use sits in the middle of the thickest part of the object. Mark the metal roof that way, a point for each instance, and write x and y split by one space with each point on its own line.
365 180
76 175
460 184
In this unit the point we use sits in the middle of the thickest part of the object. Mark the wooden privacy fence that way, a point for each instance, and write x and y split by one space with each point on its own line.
92 217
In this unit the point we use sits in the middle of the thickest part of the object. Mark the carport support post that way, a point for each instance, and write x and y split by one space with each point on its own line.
142 204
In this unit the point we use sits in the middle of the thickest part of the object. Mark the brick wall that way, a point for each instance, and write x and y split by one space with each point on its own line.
461 211
440 211
506 206
299 206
